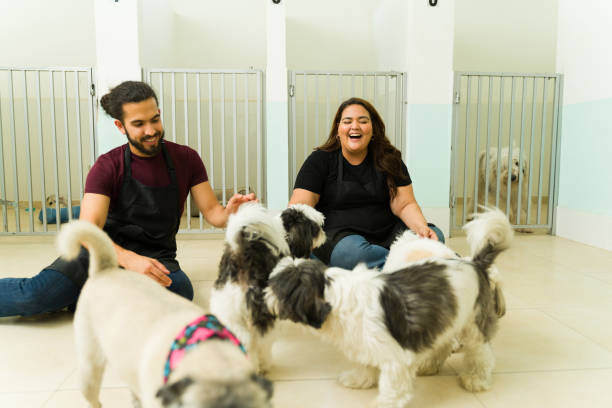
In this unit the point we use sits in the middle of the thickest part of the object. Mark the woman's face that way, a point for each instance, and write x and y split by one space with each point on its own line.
355 129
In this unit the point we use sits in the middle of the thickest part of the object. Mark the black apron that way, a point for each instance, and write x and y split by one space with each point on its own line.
144 220
361 209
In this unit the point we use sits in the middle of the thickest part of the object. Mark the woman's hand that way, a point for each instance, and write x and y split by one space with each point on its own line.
426 232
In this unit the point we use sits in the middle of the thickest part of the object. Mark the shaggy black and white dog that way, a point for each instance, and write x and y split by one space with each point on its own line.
256 240
392 322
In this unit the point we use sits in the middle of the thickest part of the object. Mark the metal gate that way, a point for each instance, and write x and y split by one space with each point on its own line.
219 113
316 95
46 146
515 118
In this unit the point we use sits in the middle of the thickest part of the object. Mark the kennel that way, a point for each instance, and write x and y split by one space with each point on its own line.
47 136
219 113
520 112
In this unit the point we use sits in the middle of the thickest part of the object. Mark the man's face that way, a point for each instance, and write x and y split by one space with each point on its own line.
142 126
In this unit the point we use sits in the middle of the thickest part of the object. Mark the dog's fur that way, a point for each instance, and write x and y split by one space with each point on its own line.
129 321
51 201
392 323
514 174
409 248
255 241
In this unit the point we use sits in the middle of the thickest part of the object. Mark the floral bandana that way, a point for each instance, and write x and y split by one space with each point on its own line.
203 328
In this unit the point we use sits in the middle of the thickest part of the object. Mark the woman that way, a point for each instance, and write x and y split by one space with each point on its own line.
358 181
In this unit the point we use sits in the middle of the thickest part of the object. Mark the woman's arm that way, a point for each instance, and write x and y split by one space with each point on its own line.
405 207
301 196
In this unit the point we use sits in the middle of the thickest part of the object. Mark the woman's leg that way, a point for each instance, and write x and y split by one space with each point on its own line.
49 291
181 285
354 249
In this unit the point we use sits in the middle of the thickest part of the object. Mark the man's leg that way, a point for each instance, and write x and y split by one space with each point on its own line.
354 249
48 291
181 285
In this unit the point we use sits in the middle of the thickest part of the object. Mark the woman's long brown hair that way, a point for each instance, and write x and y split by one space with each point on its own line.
387 158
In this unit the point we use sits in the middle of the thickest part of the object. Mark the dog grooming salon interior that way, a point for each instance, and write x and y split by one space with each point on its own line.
492 104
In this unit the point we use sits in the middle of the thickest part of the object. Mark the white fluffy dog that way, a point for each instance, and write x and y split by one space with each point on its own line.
511 174
129 321
392 322
256 240
409 248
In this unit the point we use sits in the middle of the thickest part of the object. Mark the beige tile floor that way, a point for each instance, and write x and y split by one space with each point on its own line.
554 347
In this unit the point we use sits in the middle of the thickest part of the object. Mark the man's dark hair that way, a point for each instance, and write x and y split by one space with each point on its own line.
125 92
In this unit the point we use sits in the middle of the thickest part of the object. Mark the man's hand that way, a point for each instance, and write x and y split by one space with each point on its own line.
147 266
237 200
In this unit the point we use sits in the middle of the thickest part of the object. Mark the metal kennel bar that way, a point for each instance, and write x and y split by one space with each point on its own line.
28 99
499 171
311 98
219 114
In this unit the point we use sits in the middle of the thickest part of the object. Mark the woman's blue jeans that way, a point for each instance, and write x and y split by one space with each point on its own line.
50 291
353 249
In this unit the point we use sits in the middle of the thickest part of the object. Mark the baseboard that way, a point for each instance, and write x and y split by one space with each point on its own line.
588 228
438 216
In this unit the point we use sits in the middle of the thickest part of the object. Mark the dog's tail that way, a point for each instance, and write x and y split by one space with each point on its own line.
488 234
101 251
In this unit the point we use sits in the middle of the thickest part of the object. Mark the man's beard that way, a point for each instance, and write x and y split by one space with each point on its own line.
152 151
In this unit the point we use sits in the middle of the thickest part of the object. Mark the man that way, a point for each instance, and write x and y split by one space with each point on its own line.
136 192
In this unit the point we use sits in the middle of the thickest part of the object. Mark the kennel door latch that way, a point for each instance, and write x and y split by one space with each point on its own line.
457 97
291 91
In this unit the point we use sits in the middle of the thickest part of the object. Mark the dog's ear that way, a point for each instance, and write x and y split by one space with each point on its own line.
299 232
300 290
500 301
170 393
263 383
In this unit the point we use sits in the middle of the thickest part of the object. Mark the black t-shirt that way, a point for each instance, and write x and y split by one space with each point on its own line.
319 174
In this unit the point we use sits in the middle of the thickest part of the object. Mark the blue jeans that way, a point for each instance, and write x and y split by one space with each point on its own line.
353 249
50 291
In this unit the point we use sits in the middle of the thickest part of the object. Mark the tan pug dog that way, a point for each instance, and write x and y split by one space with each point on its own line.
131 322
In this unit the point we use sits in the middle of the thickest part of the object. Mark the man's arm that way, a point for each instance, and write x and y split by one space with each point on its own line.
94 208
208 205
405 207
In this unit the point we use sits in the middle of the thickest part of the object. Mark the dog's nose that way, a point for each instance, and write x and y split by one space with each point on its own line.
513 178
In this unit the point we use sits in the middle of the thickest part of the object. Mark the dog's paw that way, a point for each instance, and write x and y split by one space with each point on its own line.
427 369
359 378
474 383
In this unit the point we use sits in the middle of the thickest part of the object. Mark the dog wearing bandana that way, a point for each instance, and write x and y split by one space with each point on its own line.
166 348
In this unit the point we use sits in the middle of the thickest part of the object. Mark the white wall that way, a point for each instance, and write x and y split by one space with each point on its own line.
331 35
583 56
42 33
203 34
505 36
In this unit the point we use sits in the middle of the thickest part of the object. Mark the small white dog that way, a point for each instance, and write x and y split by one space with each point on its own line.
409 248
513 174
391 323
129 321
256 240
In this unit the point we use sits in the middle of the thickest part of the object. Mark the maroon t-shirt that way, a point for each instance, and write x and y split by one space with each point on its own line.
106 175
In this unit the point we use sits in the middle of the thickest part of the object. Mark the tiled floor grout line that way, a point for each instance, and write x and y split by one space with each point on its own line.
58 387
554 370
543 310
